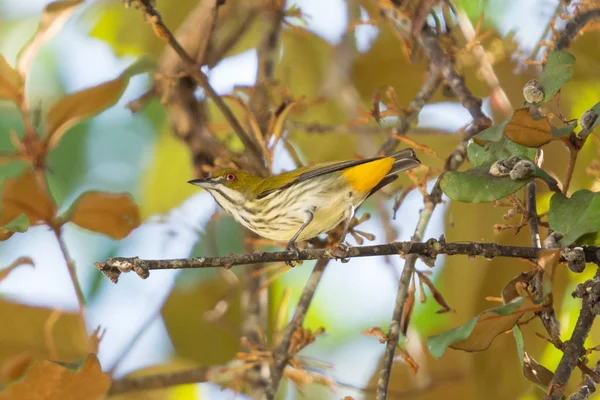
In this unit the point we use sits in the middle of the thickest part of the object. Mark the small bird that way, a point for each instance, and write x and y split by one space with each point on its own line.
301 204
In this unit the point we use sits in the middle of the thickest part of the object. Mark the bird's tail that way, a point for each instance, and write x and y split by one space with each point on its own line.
405 159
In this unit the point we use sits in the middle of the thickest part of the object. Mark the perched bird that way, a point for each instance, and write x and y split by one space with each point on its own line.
303 203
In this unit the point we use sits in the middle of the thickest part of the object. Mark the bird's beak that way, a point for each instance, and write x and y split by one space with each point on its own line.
202 182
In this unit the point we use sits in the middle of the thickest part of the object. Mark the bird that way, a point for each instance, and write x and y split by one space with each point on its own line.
301 204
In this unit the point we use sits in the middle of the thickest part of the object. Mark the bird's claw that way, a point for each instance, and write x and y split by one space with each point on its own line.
291 247
341 252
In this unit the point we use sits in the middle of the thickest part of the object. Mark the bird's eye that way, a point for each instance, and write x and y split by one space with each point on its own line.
230 177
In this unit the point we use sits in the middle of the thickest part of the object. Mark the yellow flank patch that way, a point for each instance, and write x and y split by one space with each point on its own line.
365 177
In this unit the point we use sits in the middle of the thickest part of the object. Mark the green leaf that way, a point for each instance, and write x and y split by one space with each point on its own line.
476 185
491 145
556 73
19 224
479 332
575 216
494 151
520 342
563 130
494 133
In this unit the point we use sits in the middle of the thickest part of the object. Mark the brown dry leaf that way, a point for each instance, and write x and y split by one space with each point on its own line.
490 324
517 287
437 295
23 195
408 307
53 18
86 103
15 264
14 368
47 380
277 121
536 372
113 214
377 332
11 83
524 129
414 366
547 261
67 340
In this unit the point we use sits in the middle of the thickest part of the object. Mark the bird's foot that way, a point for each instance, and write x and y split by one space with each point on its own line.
291 247
341 252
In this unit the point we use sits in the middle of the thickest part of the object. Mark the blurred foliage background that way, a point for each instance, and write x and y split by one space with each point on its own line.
166 318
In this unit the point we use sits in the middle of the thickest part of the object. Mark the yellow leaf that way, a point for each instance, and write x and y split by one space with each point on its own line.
41 332
163 185
17 263
47 380
23 195
128 34
86 103
53 18
113 214
11 83
222 333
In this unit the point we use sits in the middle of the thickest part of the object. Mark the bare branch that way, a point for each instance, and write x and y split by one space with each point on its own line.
281 354
589 291
193 69
431 248
574 26
159 381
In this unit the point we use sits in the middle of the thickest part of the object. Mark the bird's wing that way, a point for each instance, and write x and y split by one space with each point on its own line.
405 159
275 183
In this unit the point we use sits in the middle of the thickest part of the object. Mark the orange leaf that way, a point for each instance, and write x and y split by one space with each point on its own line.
526 130
276 124
53 18
11 83
47 380
113 214
18 262
23 195
86 103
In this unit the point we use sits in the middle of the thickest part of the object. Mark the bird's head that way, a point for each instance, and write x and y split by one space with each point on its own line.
229 187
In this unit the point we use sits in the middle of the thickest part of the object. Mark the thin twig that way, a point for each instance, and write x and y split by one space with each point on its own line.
281 353
125 385
426 92
318 128
194 71
574 26
573 349
71 268
485 66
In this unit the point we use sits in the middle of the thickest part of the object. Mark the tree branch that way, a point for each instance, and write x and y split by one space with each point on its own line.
574 26
281 354
193 69
589 291
441 63
431 248
160 381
